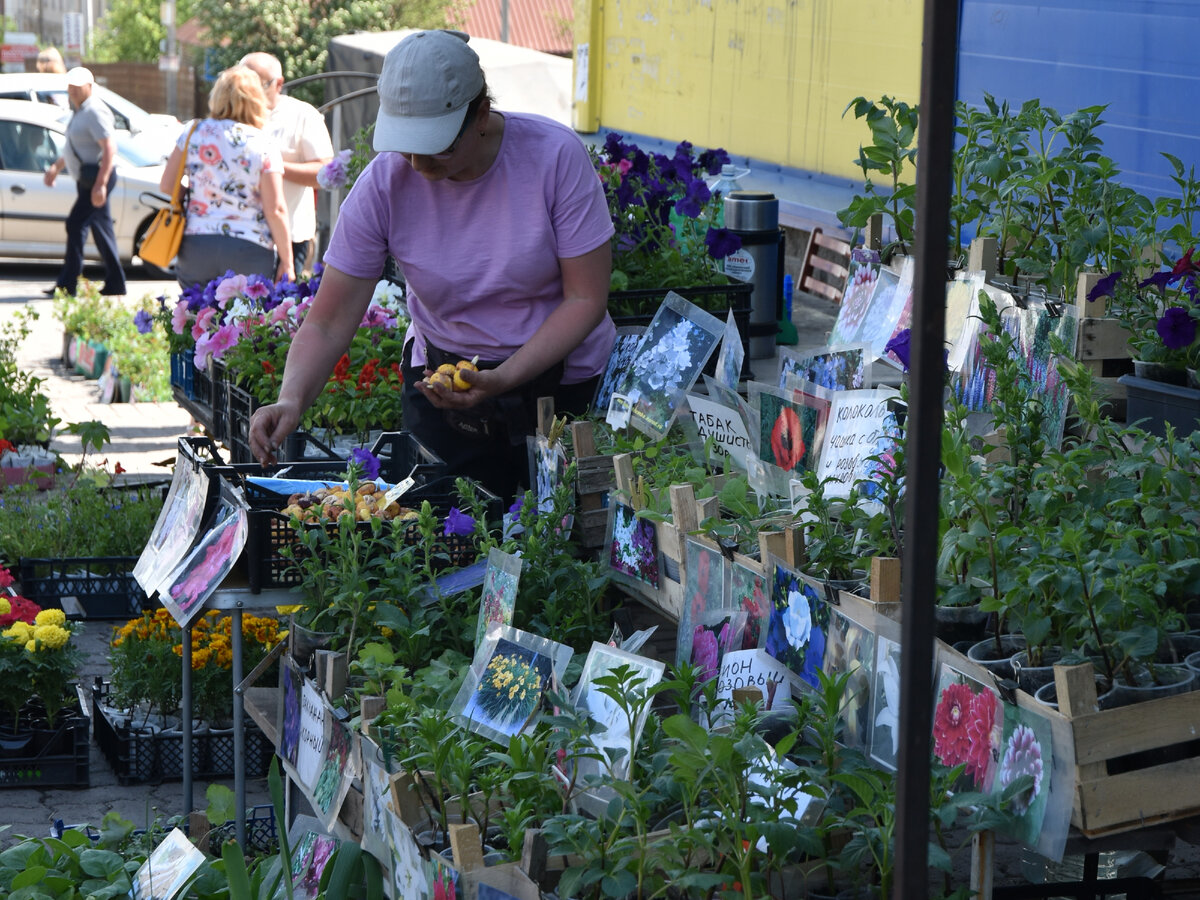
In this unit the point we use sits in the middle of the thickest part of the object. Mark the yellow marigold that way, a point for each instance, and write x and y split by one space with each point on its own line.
52 637
50 617
200 659
19 631
385 631
5 606
31 646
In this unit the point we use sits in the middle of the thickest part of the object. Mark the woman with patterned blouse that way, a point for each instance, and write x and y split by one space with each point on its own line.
236 215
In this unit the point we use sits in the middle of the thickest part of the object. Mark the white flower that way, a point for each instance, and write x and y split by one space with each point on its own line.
797 622
889 716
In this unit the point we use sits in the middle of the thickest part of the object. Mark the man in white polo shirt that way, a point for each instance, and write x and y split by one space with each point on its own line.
300 132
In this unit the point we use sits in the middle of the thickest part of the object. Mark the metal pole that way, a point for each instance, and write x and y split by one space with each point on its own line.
923 452
239 727
185 704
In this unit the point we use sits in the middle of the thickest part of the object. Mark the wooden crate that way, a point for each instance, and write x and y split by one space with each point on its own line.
1135 765
594 478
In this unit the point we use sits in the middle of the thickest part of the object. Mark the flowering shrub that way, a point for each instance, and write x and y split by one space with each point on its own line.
37 661
665 216
1160 313
146 668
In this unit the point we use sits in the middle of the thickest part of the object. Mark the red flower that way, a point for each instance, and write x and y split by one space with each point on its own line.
979 730
703 570
5 577
6 445
20 609
119 469
1185 264
787 439
951 743
342 370
267 367
395 367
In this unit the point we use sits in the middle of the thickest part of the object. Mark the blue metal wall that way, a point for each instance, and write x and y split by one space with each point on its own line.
1140 57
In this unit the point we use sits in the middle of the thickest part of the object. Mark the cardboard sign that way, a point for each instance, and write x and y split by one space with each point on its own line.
855 432
754 669
310 753
725 425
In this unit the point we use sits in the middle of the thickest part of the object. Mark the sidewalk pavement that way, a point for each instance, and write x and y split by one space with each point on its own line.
142 433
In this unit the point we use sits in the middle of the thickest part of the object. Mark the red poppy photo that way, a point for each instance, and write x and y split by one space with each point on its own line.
791 430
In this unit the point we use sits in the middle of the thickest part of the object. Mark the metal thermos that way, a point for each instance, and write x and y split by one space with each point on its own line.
754 217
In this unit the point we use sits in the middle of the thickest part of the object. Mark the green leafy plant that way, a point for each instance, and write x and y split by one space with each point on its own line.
893 125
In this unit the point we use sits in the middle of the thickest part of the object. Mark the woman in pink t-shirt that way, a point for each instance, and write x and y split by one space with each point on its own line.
500 226
236 215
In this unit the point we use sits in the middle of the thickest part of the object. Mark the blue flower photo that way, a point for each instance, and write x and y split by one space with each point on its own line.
799 625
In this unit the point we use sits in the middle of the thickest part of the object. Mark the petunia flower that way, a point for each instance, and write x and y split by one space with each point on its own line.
143 321
1176 328
900 347
458 523
721 242
1104 287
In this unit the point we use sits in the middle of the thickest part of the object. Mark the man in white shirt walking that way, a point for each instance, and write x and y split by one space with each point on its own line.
300 132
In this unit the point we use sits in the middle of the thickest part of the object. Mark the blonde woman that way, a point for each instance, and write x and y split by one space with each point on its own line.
236 215
50 60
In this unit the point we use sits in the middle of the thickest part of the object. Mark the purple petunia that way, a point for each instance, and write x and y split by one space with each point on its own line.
1176 328
900 346
691 203
458 523
143 321
1160 280
366 461
721 242
1105 286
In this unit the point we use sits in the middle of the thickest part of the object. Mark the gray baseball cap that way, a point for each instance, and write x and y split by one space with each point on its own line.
428 79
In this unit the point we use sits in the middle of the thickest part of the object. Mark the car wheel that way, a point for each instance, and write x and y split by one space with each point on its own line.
152 270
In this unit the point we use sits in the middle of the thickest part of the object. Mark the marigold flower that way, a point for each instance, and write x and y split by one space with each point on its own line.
50 617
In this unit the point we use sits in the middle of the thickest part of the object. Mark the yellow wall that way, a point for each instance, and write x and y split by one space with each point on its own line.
760 78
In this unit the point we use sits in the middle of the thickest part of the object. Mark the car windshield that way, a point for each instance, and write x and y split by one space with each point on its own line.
130 152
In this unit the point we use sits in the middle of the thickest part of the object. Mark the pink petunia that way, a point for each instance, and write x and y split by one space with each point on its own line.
179 317
281 312
224 338
229 289
203 320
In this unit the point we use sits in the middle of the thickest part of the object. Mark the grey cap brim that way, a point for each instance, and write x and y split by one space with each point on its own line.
423 135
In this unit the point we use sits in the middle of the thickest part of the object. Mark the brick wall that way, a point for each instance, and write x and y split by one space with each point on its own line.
145 85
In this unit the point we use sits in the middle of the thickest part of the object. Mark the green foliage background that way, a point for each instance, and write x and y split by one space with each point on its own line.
298 31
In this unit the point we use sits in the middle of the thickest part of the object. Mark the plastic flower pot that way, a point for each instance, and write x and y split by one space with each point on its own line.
1147 684
1047 694
997 660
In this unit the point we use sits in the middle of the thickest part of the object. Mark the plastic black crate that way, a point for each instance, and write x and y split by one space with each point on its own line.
270 532
138 758
202 387
104 586
241 407
183 373
262 836
47 757
1151 404
220 402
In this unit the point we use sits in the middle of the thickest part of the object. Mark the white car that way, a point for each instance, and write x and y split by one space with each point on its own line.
154 133
33 217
